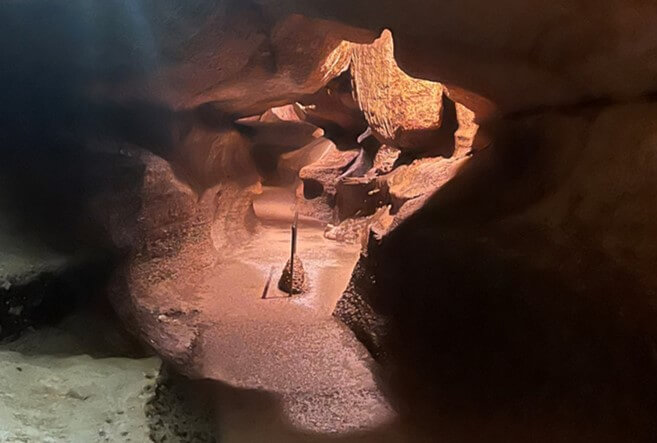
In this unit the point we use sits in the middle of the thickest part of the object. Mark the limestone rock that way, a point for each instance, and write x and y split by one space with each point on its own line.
207 156
539 54
327 168
403 111
385 159
297 283
334 109
282 134
422 177
290 113
360 196
165 229
53 390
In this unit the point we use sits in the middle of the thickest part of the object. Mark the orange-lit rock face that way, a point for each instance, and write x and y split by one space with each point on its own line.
237 58
518 54
401 110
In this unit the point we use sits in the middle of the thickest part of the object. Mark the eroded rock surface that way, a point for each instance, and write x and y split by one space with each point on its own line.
401 110
293 282
59 385
162 224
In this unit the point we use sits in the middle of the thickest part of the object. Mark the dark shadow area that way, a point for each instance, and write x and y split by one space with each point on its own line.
492 325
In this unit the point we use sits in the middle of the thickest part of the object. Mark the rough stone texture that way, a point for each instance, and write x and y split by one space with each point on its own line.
230 54
360 196
354 230
326 169
282 134
384 160
403 111
297 283
467 136
180 411
318 167
421 177
291 113
533 54
355 310
210 155
52 390
542 255
531 272
167 231
334 109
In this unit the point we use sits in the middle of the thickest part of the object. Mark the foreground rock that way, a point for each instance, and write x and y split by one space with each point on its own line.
70 396
181 410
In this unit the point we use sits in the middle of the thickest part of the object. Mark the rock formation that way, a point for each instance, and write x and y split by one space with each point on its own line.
293 283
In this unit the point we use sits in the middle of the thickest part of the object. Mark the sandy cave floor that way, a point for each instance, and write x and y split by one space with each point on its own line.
290 346
319 374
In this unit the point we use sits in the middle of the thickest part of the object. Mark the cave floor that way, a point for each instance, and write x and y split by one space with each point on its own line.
320 375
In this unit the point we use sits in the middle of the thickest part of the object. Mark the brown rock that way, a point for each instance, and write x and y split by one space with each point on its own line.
402 111
291 113
360 196
538 53
334 109
208 156
385 159
297 283
282 134
232 56
422 177
327 168
164 227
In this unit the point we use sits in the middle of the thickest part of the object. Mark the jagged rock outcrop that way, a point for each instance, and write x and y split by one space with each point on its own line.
360 196
420 178
291 113
402 111
334 109
327 169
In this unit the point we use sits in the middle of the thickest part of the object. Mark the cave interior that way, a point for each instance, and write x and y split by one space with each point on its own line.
313 221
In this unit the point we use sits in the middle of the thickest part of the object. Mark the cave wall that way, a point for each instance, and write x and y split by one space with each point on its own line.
519 54
511 296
